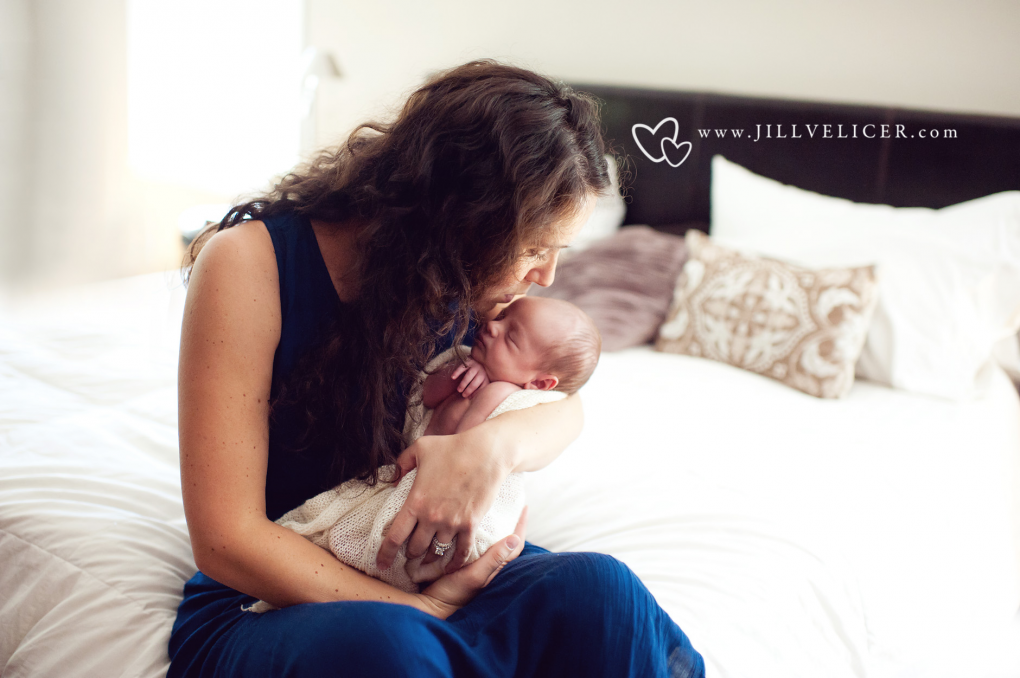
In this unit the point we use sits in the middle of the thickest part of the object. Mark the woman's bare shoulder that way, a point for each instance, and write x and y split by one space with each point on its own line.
235 281
247 244
244 250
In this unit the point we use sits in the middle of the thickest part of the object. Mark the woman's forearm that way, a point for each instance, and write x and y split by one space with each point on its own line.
459 475
532 438
281 567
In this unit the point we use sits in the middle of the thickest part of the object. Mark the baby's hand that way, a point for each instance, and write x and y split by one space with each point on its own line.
474 377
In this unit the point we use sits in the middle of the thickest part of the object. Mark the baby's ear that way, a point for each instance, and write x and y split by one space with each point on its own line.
546 382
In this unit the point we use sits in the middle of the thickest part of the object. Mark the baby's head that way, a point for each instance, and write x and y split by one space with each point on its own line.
539 343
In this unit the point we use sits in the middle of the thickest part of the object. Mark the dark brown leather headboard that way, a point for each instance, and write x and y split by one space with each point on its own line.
983 158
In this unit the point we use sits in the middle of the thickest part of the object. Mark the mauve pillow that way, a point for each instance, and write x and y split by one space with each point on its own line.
624 282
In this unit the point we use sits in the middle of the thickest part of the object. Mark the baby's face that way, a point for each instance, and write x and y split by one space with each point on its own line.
512 347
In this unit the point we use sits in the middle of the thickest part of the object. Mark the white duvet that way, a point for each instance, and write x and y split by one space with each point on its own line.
788 536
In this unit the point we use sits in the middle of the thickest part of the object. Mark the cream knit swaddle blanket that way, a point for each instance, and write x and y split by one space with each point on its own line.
352 519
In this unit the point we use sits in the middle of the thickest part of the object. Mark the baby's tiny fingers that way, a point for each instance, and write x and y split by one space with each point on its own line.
467 379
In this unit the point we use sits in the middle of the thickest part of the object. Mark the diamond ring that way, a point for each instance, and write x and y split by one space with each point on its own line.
439 546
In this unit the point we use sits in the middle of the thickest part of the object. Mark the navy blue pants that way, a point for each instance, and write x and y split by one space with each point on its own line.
545 614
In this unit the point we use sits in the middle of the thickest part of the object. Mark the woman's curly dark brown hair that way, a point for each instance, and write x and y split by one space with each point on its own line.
480 162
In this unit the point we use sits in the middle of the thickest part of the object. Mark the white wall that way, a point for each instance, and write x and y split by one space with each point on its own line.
934 54
69 209
72 208
81 217
78 201
15 56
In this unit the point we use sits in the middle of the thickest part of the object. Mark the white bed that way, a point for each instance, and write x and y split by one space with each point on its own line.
876 535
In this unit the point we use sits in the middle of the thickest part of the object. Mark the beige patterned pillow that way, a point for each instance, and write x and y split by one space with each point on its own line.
803 327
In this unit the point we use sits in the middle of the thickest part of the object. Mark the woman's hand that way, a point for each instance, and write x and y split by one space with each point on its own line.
451 592
458 479
472 377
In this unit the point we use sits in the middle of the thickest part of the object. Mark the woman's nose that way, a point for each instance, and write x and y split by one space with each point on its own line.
542 275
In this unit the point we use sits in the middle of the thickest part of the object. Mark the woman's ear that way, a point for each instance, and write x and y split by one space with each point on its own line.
545 382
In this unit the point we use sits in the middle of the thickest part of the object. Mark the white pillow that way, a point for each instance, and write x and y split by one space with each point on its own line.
949 279
608 216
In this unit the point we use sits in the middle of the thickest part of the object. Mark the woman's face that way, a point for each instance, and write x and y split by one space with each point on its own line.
538 264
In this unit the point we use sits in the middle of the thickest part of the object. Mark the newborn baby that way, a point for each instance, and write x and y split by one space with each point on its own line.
534 346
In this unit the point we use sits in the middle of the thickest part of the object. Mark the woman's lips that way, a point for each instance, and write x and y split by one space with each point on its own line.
507 298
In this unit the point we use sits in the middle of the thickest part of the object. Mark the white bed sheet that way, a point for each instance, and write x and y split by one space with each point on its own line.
788 536
908 500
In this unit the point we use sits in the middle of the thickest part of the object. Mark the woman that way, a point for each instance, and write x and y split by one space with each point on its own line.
310 314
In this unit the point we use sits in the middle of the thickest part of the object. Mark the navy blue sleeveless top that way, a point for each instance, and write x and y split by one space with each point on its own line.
309 303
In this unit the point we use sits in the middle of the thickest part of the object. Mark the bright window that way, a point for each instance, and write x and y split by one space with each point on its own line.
213 91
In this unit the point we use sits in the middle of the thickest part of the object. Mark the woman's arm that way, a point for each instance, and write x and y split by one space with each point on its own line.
459 475
230 332
530 439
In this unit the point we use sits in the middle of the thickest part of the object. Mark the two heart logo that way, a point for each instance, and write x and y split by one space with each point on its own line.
668 147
